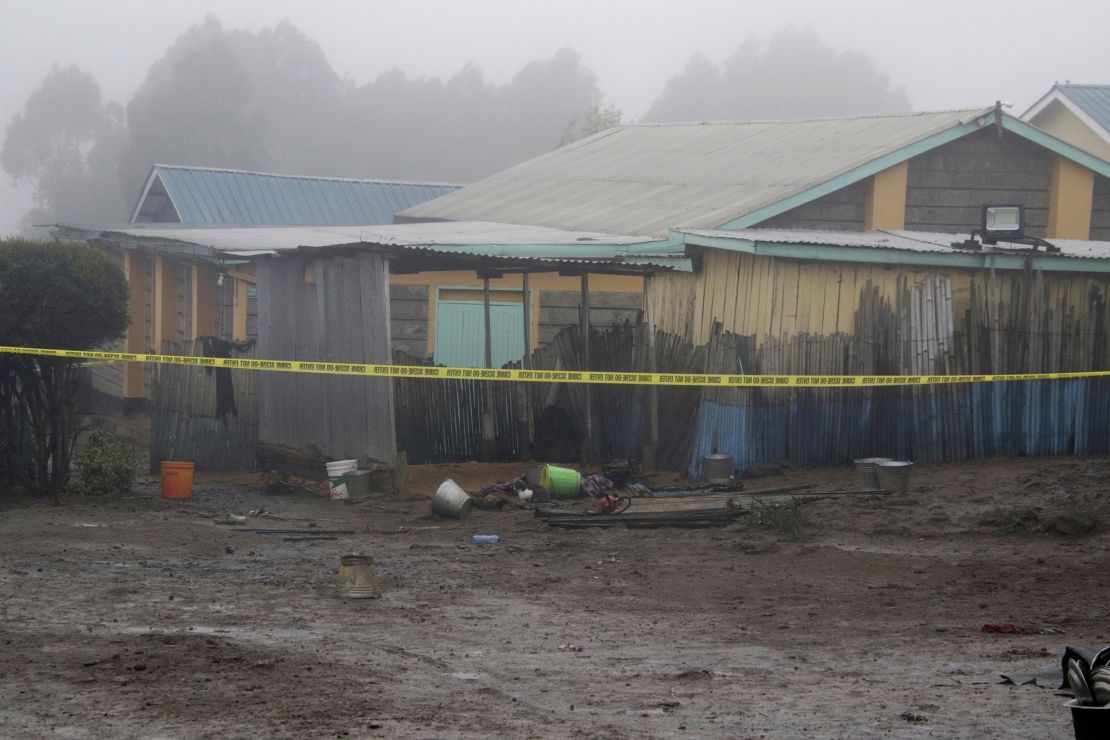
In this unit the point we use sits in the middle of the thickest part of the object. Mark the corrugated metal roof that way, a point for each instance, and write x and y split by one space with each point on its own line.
913 241
479 239
207 196
1094 100
646 179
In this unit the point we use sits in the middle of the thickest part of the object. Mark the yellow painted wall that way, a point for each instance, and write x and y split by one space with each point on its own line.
779 298
886 199
537 281
1057 120
1070 200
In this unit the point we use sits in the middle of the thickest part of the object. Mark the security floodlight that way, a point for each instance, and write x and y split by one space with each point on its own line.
1003 222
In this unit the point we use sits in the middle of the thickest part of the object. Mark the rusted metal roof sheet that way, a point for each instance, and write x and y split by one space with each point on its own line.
478 239
645 179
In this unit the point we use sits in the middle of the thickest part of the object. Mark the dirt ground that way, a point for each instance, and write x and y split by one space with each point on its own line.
858 616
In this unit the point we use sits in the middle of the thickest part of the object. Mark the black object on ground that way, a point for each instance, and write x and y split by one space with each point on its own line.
716 517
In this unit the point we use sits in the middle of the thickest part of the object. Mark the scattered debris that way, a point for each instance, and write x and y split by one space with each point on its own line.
1087 675
451 501
358 578
1072 525
1014 629
306 532
620 472
231 519
284 483
764 470
613 504
690 518
571 647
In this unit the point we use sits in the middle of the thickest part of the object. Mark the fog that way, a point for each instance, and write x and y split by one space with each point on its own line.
455 69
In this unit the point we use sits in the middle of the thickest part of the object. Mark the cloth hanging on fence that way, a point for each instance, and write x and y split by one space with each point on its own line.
225 389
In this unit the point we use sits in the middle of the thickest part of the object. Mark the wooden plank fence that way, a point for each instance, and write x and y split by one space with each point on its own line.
1030 327
183 424
441 420
1031 331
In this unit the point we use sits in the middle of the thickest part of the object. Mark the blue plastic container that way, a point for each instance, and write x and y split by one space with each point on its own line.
487 539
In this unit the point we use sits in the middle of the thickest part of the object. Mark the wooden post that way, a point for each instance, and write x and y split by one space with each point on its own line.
239 310
165 302
485 318
488 433
400 457
524 396
527 302
204 301
650 453
134 268
584 345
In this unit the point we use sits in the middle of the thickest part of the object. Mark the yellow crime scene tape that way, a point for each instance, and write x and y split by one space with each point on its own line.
716 380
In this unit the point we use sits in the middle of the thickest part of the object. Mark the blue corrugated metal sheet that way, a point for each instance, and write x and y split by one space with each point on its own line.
1094 100
230 197
1006 419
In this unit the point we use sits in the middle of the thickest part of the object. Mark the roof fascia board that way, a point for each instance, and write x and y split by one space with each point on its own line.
659 248
146 190
1042 103
1079 113
158 244
1050 142
320 178
1057 96
856 174
826 253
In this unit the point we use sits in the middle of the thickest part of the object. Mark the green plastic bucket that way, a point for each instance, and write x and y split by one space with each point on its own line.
561 482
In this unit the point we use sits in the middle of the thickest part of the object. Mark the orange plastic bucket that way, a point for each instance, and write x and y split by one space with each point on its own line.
177 479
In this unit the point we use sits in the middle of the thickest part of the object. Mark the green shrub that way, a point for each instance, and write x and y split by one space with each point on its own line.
105 466
54 295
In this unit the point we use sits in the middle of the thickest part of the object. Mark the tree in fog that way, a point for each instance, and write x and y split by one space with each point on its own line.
65 144
793 76
197 106
270 101
598 117
464 128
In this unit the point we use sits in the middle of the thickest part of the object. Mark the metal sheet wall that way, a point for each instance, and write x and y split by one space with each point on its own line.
336 310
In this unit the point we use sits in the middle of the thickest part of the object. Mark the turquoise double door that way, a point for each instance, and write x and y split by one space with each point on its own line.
461 333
